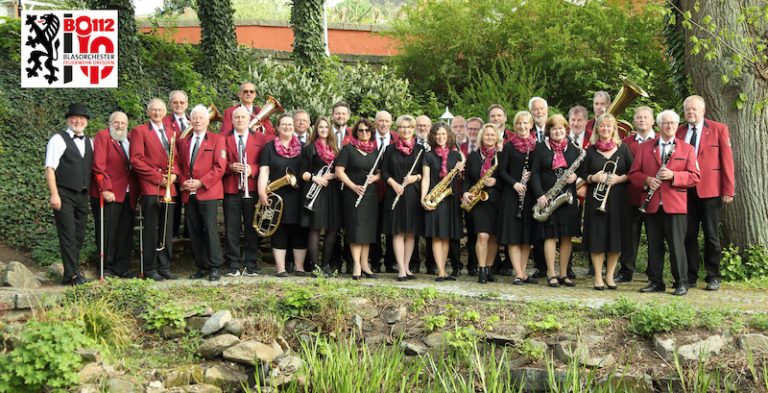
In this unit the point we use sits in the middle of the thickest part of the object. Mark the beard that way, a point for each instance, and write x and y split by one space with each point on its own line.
118 135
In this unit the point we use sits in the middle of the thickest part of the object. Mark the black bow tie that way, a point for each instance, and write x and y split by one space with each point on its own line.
78 137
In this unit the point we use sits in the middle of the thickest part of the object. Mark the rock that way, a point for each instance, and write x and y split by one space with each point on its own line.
216 322
215 346
357 324
91 373
664 347
25 300
154 387
434 340
206 312
630 382
18 276
182 376
201 388
535 379
196 323
283 344
757 343
540 345
507 336
363 307
600 361
669 383
288 364
392 314
89 355
119 385
169 332
14 316
89 388
375 339
250 353
226 377
702 349
56 271
413 347
234 327
567 351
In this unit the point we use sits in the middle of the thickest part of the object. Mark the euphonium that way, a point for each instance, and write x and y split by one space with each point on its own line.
441 190
270 107
601 189
554 197
267 217
478 189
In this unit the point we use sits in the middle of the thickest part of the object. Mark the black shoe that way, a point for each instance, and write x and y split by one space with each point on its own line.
553 282
403 278
530 280
539 273
415 269
128 274
680 290
372 276
154 276
482 275
299 273
449 278
390 269
612 287
599 287
566 281
518 281
376 269
250 272
507 272
282 274
214 276
77 280
569 273
168 275
456 273
619 278
233 272
410 276
713 284
355 278
199 274
652 287
472 271
439 279
491 277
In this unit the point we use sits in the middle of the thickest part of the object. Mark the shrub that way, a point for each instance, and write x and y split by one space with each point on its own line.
101 320
549 323
655 318
622 307
740 266
759 322
125 295
434 322
297 302
166 314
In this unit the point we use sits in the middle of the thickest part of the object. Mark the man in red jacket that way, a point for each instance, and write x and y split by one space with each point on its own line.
340 116
577 121
668 166
383 137
202 161
243 151
711 142
151 145
177 121
247 96
114 180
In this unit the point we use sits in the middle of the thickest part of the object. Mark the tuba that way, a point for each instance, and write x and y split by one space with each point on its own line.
270 107
629 92
213 115
267 217
441 190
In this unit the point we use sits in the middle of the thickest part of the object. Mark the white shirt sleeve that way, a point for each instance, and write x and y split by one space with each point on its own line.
54 151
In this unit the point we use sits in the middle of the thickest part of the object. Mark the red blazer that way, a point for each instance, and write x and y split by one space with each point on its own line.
715 160
686 174
635 193
169 121
381 186
226 121
508 136
584 141
348 137
110 161
253 147
209 166
150 159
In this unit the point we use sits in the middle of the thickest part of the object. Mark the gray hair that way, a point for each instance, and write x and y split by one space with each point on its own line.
174 92
675 117
112 116
199 108
694 98
533 100
602 93
381 114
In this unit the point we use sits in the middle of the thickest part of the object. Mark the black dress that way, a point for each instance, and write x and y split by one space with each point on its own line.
408 216
292 197
326 212
604 232
513 230
445 220
564 222
484 214
360 223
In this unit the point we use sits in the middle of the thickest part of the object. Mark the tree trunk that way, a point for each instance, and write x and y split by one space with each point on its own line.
746 219
307 25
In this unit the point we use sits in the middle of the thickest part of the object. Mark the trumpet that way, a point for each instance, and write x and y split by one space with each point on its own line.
213 115
270 107
602 189
266 220
243 175
167 199
315 189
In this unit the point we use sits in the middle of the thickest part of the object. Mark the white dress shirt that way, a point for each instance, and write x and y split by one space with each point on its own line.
56 147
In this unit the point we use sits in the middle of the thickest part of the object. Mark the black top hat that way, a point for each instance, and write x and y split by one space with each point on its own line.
77 109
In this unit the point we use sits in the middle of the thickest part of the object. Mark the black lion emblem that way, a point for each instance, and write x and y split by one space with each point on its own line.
45 38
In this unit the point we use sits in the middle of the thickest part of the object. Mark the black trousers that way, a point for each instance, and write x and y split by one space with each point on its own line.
155 216
238 214
429 258
629 247
471 241
704 211
671 228
118 234
387 253
203 235
454 254
70 220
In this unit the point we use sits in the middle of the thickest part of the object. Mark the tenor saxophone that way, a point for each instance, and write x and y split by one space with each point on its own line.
441 190
478 189
555 198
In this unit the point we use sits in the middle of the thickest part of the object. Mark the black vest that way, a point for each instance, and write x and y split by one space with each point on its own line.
74 170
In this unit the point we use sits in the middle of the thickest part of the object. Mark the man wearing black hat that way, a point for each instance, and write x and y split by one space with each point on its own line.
68 160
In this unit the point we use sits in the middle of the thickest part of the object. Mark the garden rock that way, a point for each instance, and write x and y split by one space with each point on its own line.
250 353
89 355
757 343
216 322
434 340
363 307
226 377
201 388
413 348
702 349
89 388
234 327
534 379
56 271
18 276
119 385
91 373
283 344
154 387
630 382
665 347
182 376
169 332
196 323
288 364
567 352
375 339
357 324
393 314
510 336
214 346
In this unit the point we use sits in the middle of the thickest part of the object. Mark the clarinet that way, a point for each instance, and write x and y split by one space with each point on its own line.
373 168
651 192
397 198
524 183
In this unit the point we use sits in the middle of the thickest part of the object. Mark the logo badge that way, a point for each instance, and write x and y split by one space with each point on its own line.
69 49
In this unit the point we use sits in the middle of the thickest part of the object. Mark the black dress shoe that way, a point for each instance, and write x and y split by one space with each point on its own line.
518 281
680 290
372 276
456 273
652 287
622 278
355 277
713 284
566 281
77 280
282 274
168 275
199 274
390 269
439 279
154 276
539 273
449 278
214 276
403 278
410 277
472 271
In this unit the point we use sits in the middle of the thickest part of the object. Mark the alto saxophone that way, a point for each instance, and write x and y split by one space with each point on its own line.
478 189
441 190
555 198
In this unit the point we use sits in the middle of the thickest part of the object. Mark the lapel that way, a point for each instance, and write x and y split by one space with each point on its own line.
155 139
704 139
656 152
120 151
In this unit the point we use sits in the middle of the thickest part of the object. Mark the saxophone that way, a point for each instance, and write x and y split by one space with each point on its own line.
441 190
553 195
477 189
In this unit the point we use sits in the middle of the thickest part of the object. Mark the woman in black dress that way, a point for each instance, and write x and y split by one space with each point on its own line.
516 226
605 219
353 169
484 213
321 213
279 155
443 222
550 160
401 170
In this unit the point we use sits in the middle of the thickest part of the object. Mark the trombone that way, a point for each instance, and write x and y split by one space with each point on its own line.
602 189
167 199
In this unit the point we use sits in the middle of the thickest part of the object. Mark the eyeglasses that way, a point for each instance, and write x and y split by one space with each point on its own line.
248 91
363 130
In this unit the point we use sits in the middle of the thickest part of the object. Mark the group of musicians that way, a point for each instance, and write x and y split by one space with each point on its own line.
529 188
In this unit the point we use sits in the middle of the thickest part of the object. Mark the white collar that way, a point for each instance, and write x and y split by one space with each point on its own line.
651 135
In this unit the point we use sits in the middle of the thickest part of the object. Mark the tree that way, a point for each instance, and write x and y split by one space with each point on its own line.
129 61
218 42
307 25
725 56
